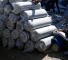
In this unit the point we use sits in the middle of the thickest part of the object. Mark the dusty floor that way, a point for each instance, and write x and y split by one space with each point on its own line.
16 54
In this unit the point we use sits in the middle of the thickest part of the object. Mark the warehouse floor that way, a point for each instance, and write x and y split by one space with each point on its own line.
16 54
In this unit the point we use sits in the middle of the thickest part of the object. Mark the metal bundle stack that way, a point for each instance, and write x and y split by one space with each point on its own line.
24 24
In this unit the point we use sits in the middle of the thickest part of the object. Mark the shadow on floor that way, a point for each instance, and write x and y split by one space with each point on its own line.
16 54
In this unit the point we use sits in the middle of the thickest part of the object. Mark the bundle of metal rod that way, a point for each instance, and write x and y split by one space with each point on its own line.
29 46
37 23
11 1
7 9
13 17
11 42
42 33
33 14
18 7
3 2
6 33
44 44
24 36
19 44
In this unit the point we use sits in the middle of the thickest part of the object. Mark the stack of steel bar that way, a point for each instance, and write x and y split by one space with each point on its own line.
25 25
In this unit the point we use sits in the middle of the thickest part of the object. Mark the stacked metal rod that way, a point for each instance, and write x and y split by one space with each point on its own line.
24 25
